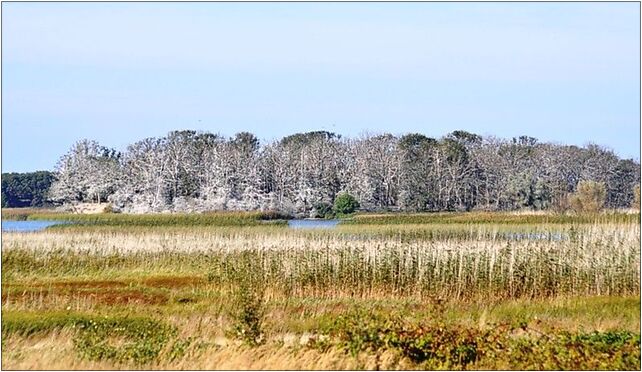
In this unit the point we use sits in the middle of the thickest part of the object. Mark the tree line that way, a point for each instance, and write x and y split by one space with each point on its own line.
303 173
26 189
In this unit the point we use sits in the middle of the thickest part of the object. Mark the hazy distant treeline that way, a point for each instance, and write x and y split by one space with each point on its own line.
196 171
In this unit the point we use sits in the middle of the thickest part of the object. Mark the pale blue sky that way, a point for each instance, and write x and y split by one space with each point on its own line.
120 72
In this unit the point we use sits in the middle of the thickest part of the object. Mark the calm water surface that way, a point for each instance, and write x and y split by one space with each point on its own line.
312 224
28 226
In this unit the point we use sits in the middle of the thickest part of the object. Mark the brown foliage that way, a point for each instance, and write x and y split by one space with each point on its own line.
174 281
589 197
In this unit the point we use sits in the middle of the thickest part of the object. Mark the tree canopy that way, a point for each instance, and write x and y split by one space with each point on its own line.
25 189
200 171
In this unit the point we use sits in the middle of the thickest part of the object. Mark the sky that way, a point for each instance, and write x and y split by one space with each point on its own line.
119 72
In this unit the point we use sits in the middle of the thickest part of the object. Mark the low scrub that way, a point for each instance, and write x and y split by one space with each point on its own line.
589 197
138 340
117 339
436 345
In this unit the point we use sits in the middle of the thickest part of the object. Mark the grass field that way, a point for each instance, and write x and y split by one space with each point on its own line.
227 291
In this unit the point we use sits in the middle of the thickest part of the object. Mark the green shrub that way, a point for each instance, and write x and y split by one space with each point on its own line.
437 345
138 340
345 204
248 308
442 346
118 339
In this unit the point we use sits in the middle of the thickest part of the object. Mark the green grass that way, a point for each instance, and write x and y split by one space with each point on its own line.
161 220
32 323
517 334
230 218
150 220
489 217
144 338
21 214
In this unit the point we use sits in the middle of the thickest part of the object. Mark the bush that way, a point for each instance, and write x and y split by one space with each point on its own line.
345 204
436 345
138 340
119 339
248 316
323 210
248 305
589 197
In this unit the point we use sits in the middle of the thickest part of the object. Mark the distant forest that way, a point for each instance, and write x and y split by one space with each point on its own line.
26 189
302 173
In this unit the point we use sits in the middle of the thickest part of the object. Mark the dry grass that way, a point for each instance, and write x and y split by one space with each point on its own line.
214 350
578 278
21 214
591 259
55 351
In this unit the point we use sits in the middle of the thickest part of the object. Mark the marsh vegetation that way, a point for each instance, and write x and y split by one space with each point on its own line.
377 291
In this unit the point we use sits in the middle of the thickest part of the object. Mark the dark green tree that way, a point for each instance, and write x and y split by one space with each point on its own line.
345 204
418 184
25 189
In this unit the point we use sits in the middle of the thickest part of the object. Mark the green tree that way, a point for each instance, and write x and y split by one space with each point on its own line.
418 183
345 204
25 189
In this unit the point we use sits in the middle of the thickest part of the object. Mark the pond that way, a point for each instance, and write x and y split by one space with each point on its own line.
28 226
312 224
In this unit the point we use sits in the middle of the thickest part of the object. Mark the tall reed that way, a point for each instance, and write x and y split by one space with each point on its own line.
597 259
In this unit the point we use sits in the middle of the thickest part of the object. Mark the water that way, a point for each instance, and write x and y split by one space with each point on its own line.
312 224
28 226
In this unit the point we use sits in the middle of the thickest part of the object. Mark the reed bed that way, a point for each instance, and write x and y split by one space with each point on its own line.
149 295
596 259
163 220
21 214
491 217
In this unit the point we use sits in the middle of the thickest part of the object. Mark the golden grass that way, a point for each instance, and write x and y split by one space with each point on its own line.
289 350
185 276
55 352
591 259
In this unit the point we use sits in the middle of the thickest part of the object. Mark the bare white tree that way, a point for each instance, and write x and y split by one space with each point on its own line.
303 173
